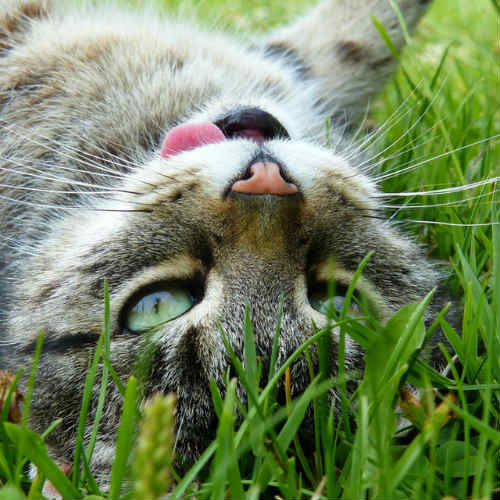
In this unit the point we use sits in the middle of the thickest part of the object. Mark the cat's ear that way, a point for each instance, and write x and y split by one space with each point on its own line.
16 18
338 46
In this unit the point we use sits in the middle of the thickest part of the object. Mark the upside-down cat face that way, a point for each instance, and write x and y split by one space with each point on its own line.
214 249
186 230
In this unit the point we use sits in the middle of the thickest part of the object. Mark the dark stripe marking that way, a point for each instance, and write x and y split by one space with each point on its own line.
66 343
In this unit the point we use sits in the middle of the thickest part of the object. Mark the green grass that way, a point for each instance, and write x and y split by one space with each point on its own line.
449 84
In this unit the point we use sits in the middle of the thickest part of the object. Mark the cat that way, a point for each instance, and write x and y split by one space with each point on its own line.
191 172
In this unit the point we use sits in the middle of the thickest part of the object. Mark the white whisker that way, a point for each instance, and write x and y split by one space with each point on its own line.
116 172
62 191
409 129
122 162
451 224
399 153
435 222
44 175
113 173
428 160
71 207
454 189
371 139
395 117
444 204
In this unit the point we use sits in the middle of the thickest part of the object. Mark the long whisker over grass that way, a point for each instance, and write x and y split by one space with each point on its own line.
415 122
412 166
371 139
443 191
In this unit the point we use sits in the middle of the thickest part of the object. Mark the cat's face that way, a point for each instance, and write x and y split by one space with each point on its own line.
184 251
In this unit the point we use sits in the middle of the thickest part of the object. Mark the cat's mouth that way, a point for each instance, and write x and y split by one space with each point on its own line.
244 122
251 123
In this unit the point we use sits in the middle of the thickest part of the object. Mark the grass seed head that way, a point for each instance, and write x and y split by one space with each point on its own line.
155 449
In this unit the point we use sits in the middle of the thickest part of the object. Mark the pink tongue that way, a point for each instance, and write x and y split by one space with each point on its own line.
190 136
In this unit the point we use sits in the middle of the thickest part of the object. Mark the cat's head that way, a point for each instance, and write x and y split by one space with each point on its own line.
241 216
240 207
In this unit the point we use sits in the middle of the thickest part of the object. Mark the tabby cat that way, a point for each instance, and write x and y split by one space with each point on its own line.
191 172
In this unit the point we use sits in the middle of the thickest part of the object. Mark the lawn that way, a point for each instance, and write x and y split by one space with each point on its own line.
436 125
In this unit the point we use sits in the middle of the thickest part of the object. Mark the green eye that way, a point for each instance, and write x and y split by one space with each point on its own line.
322 302
323 305
156 306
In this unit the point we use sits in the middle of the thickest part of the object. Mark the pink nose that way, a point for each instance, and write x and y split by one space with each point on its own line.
265 179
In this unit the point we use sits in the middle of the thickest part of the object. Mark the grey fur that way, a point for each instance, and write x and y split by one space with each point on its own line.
86 97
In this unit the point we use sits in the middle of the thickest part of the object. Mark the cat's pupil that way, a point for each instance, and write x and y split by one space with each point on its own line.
152 308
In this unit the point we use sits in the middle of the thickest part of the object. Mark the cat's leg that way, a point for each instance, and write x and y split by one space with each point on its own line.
338 45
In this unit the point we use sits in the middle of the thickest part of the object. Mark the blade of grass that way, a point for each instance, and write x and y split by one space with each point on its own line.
193 472
277 376
84 408
385 36
436 421
8 397
440 67
477 424
299 408
32 446
104 376
355 487
31 381
93 487
51 427
216 398
401 21
254 401
125 439
341 347
250 357
274 350
116 379
10 491
408 341
5 464
225 465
